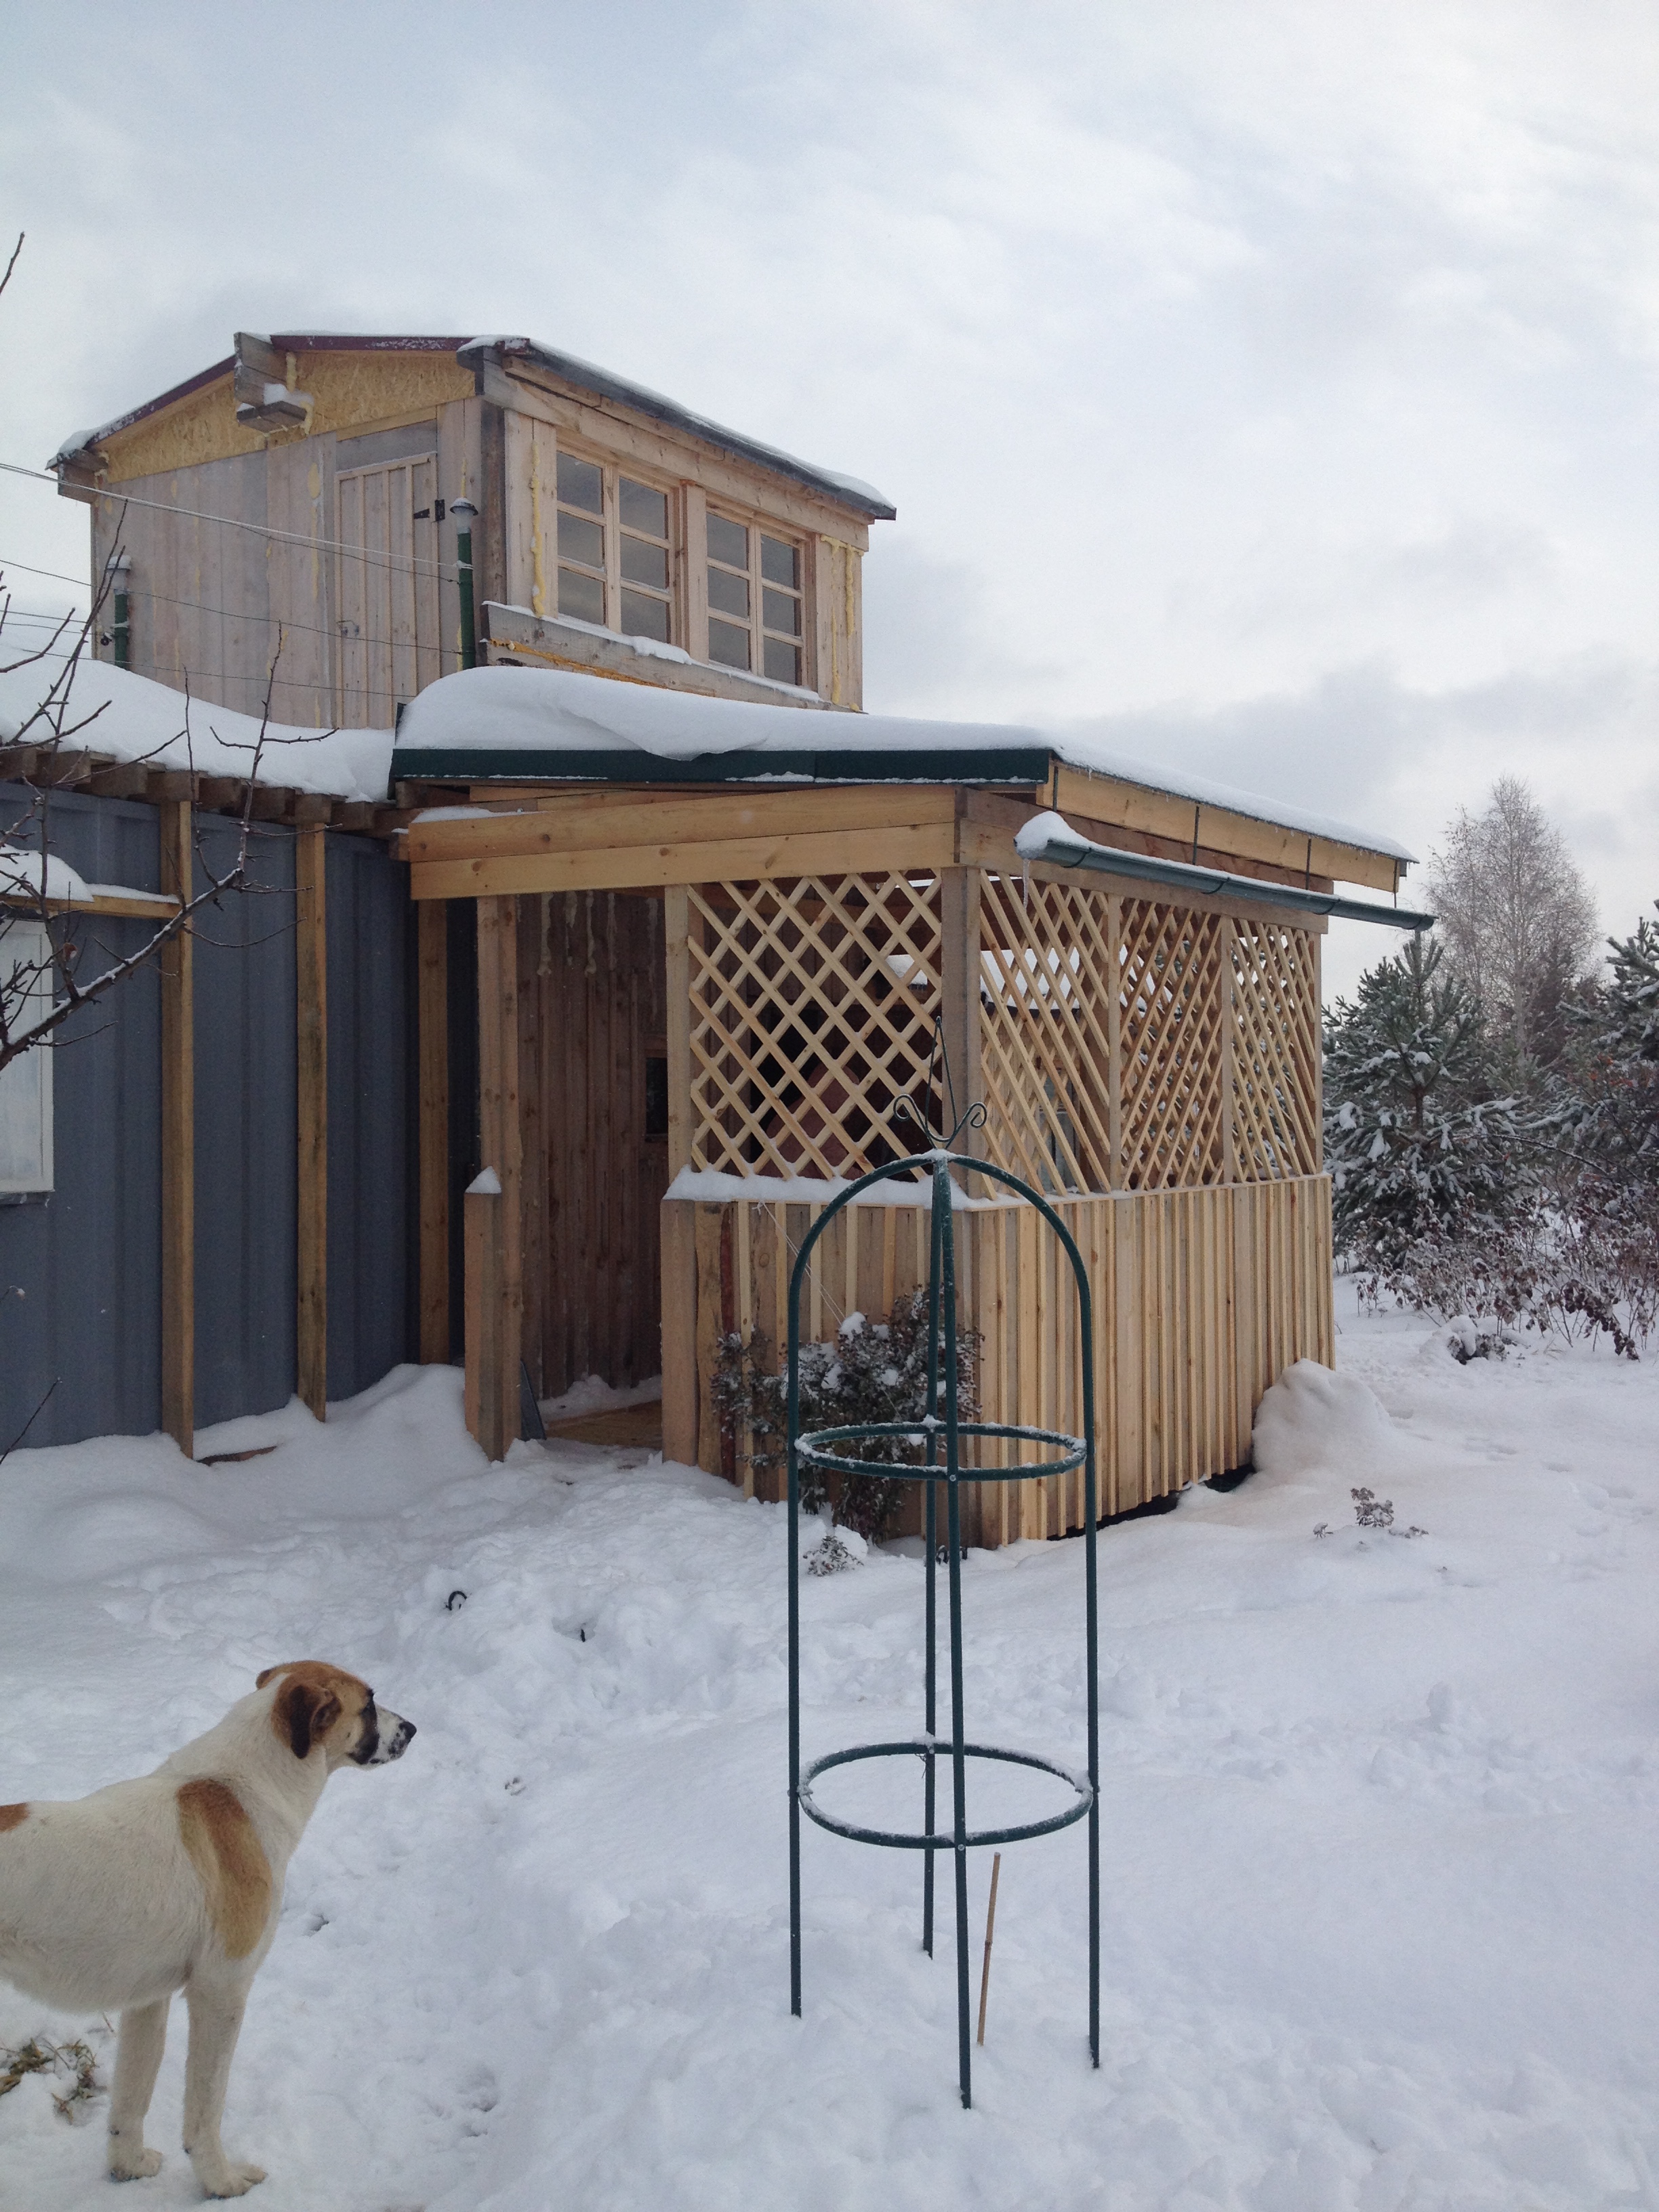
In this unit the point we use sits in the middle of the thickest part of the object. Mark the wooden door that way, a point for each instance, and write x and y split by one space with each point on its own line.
388 601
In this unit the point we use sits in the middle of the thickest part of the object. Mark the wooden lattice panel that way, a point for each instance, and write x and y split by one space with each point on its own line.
1275 1053
1173 1123
812 1008
1047 961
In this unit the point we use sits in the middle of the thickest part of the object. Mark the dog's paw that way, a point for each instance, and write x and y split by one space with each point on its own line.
138 2166
235 2181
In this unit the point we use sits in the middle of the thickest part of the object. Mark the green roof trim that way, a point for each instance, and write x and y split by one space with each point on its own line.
1022 767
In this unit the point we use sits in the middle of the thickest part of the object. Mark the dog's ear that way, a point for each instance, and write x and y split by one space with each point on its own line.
310 1713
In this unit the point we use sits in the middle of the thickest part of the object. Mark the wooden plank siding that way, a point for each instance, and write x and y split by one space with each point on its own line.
1202 1296
591 969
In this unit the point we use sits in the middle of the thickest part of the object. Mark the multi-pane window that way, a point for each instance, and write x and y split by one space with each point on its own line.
754 600
614 550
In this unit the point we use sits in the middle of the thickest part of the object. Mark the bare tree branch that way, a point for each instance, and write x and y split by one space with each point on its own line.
22 986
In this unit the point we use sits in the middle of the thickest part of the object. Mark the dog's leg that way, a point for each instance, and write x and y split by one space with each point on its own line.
215 2022
138 2057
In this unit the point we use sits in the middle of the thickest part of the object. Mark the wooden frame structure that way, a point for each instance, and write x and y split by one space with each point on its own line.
760 950
1148 1056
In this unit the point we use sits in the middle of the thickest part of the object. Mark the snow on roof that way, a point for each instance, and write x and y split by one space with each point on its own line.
531 711
142 720
849 491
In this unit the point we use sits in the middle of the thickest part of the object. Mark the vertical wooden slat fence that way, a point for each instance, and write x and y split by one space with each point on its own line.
1202 1297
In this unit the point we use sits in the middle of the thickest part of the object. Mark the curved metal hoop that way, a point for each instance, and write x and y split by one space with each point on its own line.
924 1748
810 1448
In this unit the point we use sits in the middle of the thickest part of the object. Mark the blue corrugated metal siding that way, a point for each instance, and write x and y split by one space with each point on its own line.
86 1255
246 1133
369 1038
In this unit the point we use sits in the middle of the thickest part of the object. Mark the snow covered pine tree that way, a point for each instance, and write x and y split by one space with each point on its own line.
1416 1145
1608 1104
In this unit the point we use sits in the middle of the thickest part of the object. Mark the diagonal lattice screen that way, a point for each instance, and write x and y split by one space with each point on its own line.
1060 1112
1046 963
1173 1124
1275 1049
812 1008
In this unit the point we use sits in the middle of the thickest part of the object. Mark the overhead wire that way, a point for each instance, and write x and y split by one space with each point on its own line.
236 614
170 675
258 529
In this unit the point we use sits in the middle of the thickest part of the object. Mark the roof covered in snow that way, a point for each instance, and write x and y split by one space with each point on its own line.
137 720
471 352
530 724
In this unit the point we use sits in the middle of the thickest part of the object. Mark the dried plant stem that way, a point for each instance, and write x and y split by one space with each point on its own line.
990 1927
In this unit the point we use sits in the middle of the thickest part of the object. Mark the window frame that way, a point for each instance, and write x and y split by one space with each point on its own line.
760 527
29 1078
613 530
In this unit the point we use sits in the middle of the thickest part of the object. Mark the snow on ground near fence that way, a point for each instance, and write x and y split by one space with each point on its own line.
1380 1927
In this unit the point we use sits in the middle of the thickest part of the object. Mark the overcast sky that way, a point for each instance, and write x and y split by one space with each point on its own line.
1267 387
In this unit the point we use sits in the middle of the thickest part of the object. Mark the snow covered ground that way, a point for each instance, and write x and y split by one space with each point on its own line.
1380 1864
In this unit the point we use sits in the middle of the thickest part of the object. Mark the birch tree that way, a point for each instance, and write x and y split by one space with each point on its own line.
1516 916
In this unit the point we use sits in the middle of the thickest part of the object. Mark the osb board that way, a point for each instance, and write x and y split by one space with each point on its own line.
349 389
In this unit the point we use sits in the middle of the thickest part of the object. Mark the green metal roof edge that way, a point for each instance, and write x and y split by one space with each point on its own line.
1014 765
1109 860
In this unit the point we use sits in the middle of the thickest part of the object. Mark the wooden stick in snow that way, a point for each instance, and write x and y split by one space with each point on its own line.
990 1924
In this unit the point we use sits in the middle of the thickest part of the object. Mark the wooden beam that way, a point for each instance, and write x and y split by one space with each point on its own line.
676 930
1114 801
740 860
311 1073
176 965
431 1016
679 1331
137 907
623 436
482 1220
960 972
502 1142
666 818
514 637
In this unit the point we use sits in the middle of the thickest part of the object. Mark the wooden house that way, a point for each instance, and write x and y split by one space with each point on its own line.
683 918
754 921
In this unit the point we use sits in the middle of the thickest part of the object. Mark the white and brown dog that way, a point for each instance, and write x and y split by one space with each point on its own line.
112 1902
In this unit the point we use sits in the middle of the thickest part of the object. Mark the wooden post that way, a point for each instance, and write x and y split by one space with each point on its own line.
679 1248
502 1145
310 995
676 950
433 1047
176 965
1114 1040
1315 950
482 1219
1225 985
959 963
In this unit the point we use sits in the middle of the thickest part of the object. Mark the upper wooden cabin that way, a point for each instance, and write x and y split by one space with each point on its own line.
304 489
713 940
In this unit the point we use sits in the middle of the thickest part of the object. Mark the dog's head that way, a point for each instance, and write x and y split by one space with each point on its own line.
315 1703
